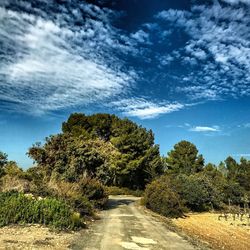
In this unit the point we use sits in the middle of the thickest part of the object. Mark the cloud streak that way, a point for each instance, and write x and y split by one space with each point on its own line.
205 129
143 109
47 62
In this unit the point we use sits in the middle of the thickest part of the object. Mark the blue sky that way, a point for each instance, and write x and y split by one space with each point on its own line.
181 68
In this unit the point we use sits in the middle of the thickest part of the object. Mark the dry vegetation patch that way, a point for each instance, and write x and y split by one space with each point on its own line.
220 234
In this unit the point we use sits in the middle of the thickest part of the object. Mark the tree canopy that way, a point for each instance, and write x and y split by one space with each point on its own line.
184 158
116 151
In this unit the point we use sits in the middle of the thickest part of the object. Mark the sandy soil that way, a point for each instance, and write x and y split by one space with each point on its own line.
220 234
124 226
34 237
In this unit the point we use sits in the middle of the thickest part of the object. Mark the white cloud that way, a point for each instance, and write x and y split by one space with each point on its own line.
50 63
217 52
143 109
234 2
246 125
205 129
166 59
242 155
141 36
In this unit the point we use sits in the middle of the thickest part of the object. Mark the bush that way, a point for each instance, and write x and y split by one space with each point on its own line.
160 198
17 208
83 196
94 191
198 192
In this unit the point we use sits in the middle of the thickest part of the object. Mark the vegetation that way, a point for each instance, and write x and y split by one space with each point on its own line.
190 185
116 151
161 198
101 154
18 208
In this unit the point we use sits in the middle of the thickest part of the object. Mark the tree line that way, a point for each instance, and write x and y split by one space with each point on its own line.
102 150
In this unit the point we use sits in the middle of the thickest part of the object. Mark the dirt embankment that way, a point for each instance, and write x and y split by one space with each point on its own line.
220 234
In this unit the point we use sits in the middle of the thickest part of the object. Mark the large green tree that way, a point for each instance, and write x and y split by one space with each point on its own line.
116 151
184 158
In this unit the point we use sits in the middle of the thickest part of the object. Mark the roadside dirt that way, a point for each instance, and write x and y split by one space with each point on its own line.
220 234
124 226
34 237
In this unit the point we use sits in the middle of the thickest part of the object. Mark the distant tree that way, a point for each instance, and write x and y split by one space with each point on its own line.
243 174
184 159
3 159
3 162
232 167
222 168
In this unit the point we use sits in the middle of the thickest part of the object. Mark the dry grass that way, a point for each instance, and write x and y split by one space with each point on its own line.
219 234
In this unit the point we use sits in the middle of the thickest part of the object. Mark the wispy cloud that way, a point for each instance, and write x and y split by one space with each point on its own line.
217 50
205 129
143 109
60 56
242 155
235 2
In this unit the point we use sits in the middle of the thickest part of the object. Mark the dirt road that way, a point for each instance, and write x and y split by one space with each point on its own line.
124 226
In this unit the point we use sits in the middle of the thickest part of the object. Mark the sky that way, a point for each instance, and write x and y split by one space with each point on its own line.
181 68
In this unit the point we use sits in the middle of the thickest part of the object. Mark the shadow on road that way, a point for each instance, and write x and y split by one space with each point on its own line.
116 202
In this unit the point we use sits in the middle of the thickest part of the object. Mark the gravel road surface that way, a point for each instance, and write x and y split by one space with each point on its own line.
124 226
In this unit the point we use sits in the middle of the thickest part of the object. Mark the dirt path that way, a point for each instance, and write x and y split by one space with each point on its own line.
124 226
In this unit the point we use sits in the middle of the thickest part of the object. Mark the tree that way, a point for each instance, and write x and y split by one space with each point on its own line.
3 159
243 174
184 159
3 162
116 151
232 167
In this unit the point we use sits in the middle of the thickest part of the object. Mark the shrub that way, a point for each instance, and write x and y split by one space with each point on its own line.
198 192
160 198
17 208
83 196
94 191
71 194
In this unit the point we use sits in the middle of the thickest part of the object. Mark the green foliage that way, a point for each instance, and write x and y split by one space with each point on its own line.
198 192
16 208
81 204
94 191
38 182
3 159
83 196
232 167
184 159
161 198
116 151
3 162
233 192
